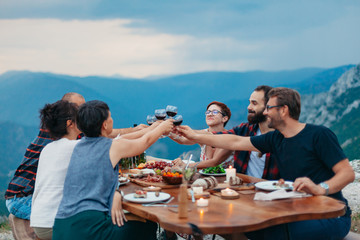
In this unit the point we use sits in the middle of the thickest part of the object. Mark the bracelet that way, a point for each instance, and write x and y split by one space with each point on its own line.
121 193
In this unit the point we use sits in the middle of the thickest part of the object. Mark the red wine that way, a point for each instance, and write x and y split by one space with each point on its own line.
178 123
171 113
160 117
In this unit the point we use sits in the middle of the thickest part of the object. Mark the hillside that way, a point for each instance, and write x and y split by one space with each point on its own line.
338 109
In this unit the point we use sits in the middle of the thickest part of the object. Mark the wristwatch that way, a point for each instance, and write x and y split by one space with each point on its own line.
326 187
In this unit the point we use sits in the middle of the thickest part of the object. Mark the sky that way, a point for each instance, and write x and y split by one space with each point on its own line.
144 38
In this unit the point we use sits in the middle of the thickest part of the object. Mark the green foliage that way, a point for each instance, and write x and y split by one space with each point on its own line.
216 169
348 132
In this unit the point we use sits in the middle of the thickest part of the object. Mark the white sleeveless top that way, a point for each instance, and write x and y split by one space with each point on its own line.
228 162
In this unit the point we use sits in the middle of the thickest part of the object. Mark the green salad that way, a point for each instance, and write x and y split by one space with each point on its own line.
218 169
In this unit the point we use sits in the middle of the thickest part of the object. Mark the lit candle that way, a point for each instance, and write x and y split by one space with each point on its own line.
227 192
197 190
202 202
230 172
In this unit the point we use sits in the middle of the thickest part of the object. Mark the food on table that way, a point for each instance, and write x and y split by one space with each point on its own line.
213 170
123 179
154 178
235 181
281 184
209 182
172 174
140 194
147 172
141 166
135 171
157 165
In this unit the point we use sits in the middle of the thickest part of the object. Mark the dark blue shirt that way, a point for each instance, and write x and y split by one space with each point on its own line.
312 153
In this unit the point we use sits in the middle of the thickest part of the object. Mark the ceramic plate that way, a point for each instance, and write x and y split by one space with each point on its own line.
269 185
150 197
212 174
123 183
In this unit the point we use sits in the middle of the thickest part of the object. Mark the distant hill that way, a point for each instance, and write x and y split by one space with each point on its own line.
339 109
14 139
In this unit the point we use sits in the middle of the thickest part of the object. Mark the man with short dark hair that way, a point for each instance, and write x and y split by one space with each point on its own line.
307 154
251 162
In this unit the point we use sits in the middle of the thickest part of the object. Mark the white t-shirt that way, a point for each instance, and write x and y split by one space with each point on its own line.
53 164
256 164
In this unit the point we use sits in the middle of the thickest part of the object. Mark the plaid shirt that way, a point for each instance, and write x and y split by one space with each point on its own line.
23 181
241 158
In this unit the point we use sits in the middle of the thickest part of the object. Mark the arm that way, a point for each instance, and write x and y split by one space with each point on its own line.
121 148
220 155
122 131
225 141
141 132
344 174
117 214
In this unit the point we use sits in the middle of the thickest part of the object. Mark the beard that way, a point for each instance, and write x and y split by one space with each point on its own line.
256 118
274 122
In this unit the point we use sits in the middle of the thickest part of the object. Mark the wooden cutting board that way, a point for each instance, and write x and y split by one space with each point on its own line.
155 184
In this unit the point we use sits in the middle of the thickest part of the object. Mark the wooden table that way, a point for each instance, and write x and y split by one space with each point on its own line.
235 216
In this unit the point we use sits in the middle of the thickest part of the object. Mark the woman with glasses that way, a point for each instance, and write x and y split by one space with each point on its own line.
217 115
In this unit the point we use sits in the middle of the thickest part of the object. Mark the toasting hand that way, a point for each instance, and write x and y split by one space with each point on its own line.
187 132
167 126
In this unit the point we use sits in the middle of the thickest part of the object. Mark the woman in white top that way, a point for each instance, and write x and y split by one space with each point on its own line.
217 115
59 119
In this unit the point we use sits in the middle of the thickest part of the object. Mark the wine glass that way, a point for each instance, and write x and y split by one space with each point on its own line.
160 114
150 119
171 111
178 119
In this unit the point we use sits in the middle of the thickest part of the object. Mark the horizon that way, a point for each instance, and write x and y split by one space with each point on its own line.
159 77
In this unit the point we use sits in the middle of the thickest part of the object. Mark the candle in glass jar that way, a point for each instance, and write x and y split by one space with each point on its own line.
202 202
230 172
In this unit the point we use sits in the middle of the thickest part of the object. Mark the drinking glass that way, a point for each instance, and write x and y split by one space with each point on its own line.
188 173
171 111
150 119
178 119
160 114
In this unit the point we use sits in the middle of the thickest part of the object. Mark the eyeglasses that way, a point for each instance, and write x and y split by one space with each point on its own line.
270 107
214 112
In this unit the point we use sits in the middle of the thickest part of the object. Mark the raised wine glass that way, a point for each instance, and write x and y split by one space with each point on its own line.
171 111
150 119
160 114
178 119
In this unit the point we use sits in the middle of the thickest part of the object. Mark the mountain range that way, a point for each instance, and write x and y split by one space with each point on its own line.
330 97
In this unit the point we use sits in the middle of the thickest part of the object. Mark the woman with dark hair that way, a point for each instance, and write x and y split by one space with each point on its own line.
217 115
59 119
92 177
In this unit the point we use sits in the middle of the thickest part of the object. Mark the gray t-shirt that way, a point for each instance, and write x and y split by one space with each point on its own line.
91 179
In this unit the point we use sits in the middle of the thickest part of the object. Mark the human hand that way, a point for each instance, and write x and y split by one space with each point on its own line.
167 126
187 132
304 184
178 162
141 126
117 214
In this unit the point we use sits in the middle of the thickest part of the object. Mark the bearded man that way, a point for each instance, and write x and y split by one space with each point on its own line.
247 162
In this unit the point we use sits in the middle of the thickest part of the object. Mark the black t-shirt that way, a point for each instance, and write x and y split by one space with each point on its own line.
311 153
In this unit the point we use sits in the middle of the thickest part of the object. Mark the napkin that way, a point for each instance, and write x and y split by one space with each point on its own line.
279 194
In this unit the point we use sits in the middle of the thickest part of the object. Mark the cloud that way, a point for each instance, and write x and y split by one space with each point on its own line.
179 38
78 47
